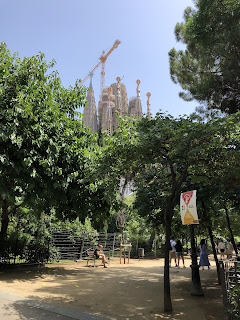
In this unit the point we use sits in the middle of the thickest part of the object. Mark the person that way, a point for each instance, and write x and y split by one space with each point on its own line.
179 252
98 253
203 255
221 248
229 249
172 253
216 247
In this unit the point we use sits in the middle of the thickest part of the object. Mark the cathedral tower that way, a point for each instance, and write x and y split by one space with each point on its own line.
90 111
106 108
135 104
121 103
113 103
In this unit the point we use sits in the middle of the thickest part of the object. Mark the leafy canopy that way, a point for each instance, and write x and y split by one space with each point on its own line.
46 153
208 70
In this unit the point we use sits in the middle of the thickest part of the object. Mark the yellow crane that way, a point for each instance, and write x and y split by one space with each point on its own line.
102 61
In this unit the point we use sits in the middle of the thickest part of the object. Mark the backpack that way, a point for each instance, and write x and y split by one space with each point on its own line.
95 253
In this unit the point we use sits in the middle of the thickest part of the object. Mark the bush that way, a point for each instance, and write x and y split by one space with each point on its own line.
234 298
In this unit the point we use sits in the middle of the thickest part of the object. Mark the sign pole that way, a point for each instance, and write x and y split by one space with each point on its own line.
196 282
187 218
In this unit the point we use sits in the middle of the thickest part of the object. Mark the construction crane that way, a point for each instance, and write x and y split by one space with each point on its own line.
102 61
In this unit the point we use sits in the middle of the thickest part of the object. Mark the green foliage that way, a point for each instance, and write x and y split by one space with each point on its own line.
234 297
28 238
137 230
47 155
29 235
159 154
149 194
77 228
208 70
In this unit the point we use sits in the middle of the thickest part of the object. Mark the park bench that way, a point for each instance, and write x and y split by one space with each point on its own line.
91 257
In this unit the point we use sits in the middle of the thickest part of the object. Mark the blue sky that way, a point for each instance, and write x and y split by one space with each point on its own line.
75 32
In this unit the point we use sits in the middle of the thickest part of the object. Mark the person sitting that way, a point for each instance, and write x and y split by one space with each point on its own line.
98 253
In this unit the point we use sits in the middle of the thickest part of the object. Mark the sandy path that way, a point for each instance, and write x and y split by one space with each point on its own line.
133 291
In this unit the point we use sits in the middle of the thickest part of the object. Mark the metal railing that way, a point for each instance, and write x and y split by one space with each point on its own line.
230 280
63 245
75 248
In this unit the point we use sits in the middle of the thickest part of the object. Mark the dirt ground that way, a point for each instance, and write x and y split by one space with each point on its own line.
121 291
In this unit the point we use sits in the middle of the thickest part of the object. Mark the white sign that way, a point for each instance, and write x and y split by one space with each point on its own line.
188 208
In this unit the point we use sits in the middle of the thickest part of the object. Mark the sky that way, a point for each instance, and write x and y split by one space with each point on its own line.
75 32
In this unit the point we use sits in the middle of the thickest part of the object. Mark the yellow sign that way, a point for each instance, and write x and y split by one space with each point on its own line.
188 207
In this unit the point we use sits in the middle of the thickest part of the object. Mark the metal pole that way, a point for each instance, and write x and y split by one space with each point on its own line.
82 245
113 244
196 282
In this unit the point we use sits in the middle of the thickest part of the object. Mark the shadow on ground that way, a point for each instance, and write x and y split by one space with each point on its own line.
118 292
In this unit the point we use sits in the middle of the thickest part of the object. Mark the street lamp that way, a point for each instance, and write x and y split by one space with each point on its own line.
196 282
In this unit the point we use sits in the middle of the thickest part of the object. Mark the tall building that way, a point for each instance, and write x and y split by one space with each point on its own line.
135 104
113 102
90 111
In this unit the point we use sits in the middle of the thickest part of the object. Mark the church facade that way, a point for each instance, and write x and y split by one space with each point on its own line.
113 102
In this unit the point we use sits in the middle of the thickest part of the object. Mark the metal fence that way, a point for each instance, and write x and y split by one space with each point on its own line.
230 279
63 245
71 247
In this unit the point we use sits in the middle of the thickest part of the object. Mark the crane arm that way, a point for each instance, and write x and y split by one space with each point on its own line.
82 82
103 58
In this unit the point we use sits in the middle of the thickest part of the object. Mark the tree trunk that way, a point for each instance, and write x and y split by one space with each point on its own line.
150 241
136 247
168 214
205 215
167 292
105 230
215 254
230 230
5 218
155 244
40 227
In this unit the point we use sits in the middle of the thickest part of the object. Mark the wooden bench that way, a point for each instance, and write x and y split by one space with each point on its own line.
91 257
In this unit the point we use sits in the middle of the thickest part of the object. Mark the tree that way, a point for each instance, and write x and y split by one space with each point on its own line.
46 152
174 146
170 148
208 70
137 229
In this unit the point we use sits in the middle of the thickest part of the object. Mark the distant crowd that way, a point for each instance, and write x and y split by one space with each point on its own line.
176 253
224 248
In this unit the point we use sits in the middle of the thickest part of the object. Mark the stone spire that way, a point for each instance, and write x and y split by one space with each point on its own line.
148 106
138 102
109 113
90 84
90 111
106 108
118 97
119 102
135 104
